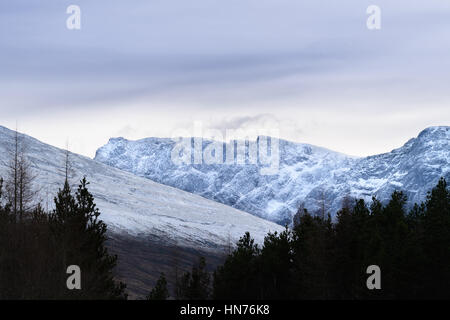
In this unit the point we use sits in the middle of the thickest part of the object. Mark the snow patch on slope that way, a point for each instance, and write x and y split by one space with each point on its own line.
136 205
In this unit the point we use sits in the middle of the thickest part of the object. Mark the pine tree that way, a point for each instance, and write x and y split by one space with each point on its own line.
239 278
322 260
160 291
312 246
82 235
194 285
276 266
437 241
352 235
394 227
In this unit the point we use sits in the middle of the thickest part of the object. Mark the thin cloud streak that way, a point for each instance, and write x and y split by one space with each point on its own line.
226 59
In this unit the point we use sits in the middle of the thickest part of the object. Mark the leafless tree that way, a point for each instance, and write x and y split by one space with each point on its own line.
68 170
19 183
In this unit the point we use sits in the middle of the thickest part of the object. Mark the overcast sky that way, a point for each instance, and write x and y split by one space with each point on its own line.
149 67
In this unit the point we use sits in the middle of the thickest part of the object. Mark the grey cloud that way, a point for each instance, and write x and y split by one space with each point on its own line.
251 49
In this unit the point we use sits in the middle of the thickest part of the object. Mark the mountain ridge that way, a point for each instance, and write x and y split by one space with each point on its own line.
307 174
133 205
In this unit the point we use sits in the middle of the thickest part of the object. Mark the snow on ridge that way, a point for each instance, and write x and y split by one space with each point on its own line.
135 205
307 174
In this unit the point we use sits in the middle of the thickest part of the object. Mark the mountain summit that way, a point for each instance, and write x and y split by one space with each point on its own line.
308 175
135 206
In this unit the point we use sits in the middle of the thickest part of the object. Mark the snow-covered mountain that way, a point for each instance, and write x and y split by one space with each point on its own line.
136 206
307 174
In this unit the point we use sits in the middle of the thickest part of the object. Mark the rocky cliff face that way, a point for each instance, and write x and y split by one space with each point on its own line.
309 175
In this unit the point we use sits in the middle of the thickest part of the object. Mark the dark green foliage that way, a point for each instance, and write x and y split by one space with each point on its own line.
351 240
37 250
194 285
311 246
238 277
319 259
436 224
82 236
160 291
275 261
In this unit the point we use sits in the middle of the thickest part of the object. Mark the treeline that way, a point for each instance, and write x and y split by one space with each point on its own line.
315 259
37 247
321 259
42 252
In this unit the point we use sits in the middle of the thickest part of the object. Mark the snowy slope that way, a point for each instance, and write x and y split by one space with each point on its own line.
307 174
138 206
